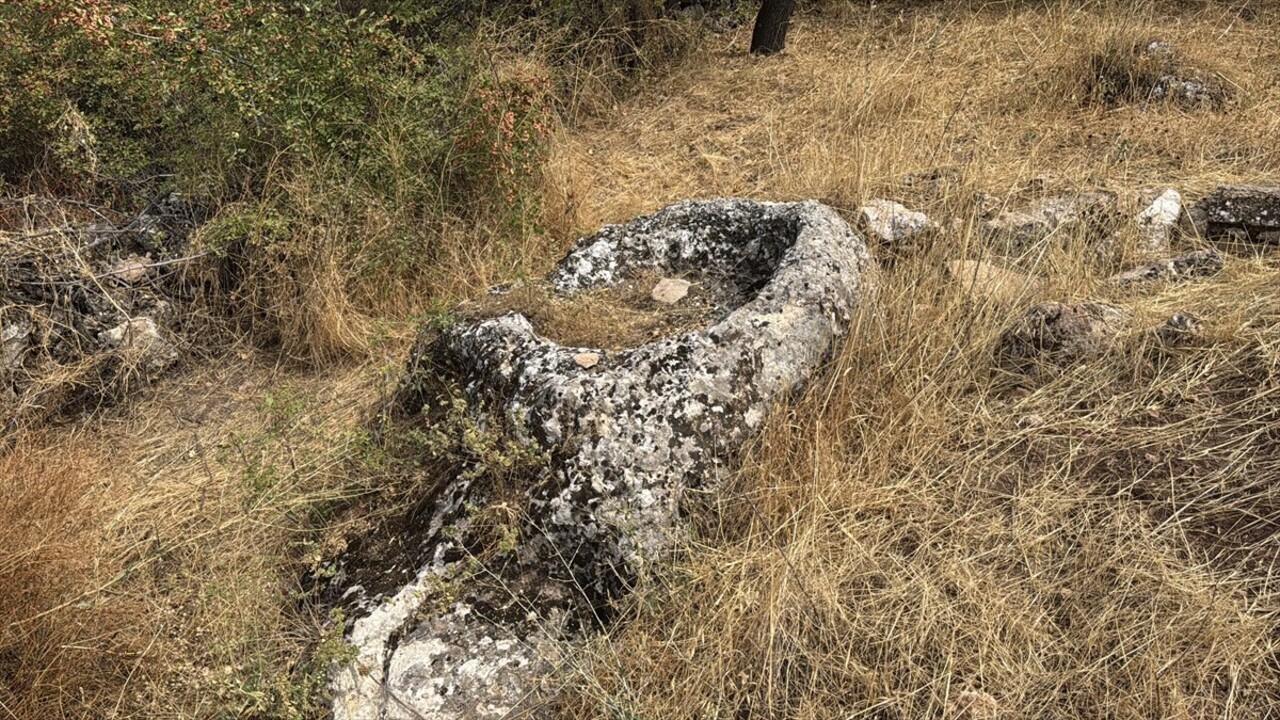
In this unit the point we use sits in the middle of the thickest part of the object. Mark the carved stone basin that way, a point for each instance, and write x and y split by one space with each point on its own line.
626 436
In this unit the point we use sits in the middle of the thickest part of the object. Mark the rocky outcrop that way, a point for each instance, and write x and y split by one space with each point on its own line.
628 435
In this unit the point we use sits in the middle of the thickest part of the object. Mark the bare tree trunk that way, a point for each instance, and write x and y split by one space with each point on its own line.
770 34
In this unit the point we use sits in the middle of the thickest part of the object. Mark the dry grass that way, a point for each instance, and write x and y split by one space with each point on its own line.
920 529
865 96
918 533
163 546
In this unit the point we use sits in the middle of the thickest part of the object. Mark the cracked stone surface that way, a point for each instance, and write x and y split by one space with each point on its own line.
627 437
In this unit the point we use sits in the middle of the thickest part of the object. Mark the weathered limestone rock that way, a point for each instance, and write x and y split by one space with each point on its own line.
982 280
1253 209
627 438
1026 226
892 224
1060 334
1158 221
142 341
1200 263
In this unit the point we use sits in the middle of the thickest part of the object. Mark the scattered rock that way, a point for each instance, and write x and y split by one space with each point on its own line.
1253 209
1180 329
1152 71
130 270
670 291
627 441
142 340
1157 222
587 360
973 705
1024 227
1200 263
1060 334
983 280
892 224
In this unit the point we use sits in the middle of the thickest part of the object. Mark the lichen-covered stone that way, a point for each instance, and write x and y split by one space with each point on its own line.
1199 263
1253 209
627 437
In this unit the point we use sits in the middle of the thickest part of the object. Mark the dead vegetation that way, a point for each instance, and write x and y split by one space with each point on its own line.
921 535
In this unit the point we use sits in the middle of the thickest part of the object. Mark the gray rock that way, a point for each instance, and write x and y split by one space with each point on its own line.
1253 209
1026 226
1060 334
13 341
1200 263
892 224
1180 329
1158 221
627 441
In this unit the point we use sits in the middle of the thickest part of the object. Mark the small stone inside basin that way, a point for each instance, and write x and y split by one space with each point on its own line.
670 290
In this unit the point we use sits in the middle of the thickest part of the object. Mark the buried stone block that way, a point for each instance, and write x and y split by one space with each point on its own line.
1251 212
1199 263
627 435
